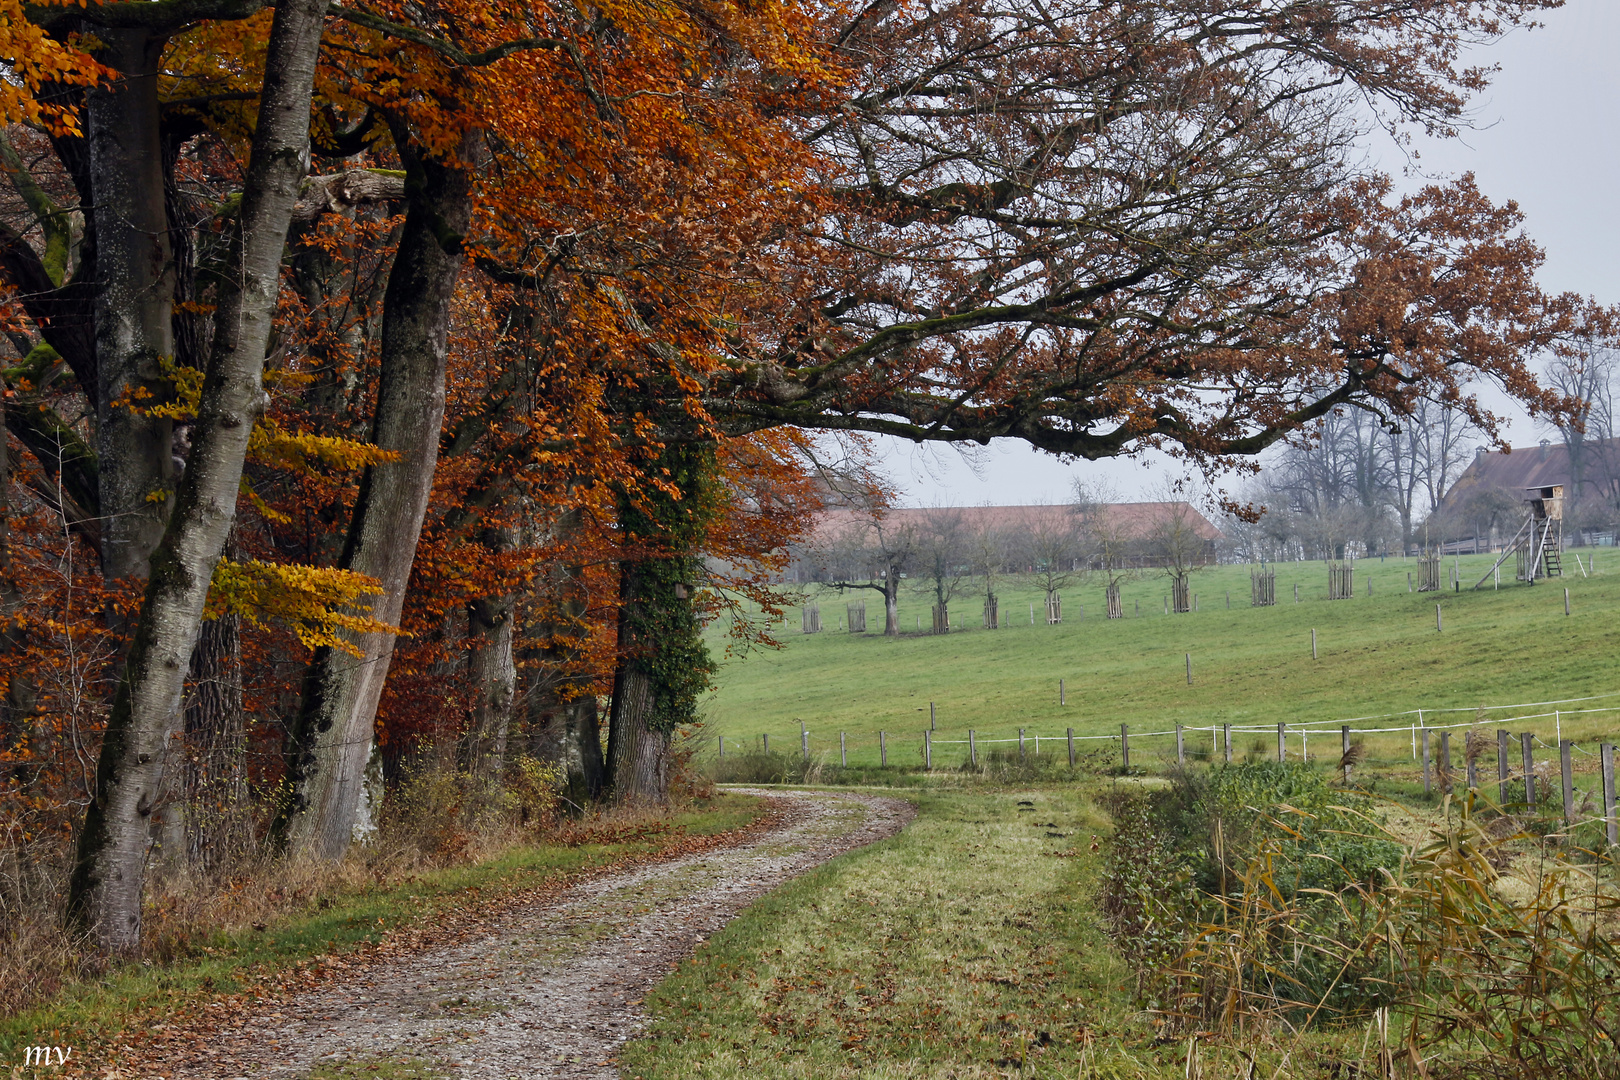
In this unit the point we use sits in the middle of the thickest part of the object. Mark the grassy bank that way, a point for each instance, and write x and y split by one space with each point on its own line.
1375 654
966 946
339 924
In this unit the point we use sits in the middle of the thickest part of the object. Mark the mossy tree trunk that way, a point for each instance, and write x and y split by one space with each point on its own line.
663 665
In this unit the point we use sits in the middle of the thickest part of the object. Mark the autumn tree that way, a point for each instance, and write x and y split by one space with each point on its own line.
1101 227
109 870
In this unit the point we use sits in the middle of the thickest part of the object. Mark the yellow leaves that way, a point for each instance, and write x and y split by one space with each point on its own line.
271 445
323 605
35 60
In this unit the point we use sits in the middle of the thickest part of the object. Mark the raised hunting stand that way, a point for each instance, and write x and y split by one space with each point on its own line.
1539 542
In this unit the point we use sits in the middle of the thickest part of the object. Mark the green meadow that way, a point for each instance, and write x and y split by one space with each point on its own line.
1376 654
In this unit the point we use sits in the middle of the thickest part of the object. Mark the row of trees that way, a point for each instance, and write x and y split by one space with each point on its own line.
946 552
1360 482
1355 484
382 374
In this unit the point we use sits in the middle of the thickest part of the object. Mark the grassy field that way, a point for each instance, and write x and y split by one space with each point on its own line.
1376 654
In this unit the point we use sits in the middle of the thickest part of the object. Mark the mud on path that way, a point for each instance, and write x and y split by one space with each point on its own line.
554 989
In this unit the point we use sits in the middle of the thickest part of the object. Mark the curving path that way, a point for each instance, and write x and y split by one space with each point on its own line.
554 990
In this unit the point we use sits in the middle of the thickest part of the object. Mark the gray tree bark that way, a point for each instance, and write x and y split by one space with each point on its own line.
638 754
104 891
207 819
134 300
493 674
331 740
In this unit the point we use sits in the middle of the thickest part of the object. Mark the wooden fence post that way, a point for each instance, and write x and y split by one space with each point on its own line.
1226 740
1612 827
1125 745
883 749
722 747
1428 780
930 716
1313 643
1062 696
1020 746
1282 743
1181 750
1469 764
1566 765
928 750
1344 749
973 750
1296 592
1502 768
1566 601
1445 763
1439 624
1527 750
765 741
1189 669
1071 748
804 741
843 752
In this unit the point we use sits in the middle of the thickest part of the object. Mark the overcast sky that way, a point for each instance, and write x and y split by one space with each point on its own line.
1547 134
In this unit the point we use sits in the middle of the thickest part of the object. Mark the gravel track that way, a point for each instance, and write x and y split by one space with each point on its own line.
554 989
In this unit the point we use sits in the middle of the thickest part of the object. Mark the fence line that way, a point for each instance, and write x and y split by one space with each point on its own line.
1329 727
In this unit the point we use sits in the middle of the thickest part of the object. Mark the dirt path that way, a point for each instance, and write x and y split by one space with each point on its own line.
553 990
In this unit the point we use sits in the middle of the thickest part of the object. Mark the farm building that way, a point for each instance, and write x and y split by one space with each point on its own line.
1483 508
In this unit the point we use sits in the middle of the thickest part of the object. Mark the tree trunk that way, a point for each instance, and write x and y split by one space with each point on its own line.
563 723
104 892
331 740
19 705
638 754
891 604
568 732
217 823
493 674
134 301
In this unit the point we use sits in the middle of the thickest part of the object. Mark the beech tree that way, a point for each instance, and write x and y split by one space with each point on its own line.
109 869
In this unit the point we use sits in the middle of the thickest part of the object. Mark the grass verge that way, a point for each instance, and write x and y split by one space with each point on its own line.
341 928
965 946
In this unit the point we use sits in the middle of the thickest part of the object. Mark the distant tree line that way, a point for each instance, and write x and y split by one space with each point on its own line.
1358 484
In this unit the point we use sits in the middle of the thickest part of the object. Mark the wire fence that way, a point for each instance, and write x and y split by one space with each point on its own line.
1420 728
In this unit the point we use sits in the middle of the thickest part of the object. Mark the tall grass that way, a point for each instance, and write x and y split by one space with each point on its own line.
1483 948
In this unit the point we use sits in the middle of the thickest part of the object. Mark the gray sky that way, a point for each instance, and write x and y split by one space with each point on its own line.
1546 134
